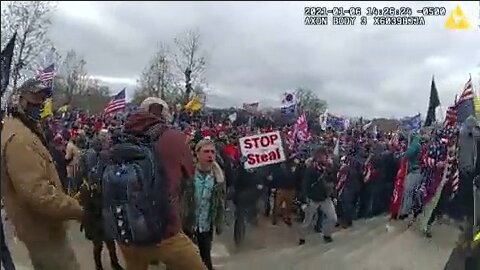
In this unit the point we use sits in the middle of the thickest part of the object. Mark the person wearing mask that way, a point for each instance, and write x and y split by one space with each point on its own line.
34 199
175 250
205 200
317 190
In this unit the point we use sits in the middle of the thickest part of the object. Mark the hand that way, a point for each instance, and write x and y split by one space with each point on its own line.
80 215
304 206
269 178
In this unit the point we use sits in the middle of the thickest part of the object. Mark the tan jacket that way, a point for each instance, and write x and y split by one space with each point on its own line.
31 189
72 153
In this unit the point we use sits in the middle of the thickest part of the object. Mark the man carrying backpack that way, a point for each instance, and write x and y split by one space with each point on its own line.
141 191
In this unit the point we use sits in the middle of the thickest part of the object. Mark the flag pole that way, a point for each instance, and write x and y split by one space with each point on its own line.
441 112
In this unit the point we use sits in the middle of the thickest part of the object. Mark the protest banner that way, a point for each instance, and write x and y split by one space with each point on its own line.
262 149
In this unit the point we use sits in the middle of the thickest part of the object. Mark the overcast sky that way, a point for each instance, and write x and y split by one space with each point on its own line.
256 51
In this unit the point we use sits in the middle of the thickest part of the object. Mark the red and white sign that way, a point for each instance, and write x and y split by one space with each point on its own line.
262 149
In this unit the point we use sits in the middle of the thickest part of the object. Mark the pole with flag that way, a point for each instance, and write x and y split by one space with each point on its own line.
46 76
465 105
117 103
5 68
6 63
432 105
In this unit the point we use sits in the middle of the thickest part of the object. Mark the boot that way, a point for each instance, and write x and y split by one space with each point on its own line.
327 239
301 242
116 266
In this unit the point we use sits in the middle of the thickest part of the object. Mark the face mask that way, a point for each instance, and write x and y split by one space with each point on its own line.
33 112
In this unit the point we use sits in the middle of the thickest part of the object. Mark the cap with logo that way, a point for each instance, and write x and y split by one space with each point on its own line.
32 86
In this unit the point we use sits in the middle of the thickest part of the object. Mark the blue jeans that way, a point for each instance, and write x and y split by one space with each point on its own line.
7 261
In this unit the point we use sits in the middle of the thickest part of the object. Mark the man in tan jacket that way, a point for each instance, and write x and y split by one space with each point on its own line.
31 189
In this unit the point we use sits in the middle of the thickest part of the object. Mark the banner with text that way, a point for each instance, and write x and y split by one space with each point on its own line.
262 149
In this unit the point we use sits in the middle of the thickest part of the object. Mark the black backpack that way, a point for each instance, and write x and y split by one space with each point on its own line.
135 198
91 164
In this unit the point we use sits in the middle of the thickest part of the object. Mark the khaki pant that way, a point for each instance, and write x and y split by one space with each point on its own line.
284 196
53 255
177 253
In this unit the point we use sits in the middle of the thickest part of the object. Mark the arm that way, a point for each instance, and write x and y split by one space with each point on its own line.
68 152
33 184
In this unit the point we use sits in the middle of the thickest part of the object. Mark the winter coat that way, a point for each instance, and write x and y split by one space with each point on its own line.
31 188
72 156
282 176
317 185
217 205
413 153
246 187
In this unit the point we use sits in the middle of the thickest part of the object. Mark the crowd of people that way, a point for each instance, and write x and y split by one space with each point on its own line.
156 183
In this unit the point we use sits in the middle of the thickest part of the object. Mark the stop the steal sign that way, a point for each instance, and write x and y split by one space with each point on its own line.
262 149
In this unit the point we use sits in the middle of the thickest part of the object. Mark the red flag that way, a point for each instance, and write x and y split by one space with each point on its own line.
398 189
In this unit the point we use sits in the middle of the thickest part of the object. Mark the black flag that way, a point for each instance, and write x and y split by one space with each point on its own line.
6 63
432 105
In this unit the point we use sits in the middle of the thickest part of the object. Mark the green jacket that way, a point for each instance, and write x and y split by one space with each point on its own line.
217 206
413 153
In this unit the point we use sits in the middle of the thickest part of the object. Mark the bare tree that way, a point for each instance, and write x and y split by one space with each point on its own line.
190 60
72 70
157 77
31 20
310 102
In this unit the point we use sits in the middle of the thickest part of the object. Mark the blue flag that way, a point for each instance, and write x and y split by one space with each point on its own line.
412 123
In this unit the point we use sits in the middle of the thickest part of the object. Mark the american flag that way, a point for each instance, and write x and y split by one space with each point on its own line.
412 123
452 170
369 172
452 160
117 103
451 117
464 104
300 132
46 76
